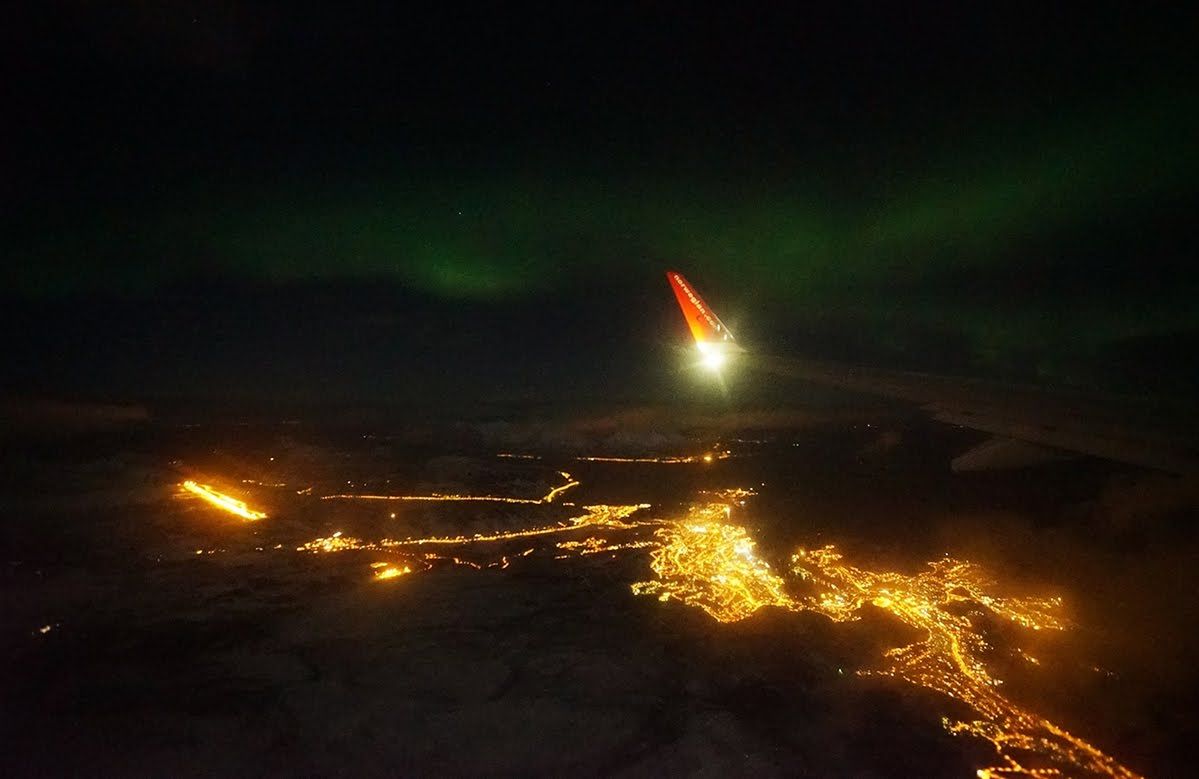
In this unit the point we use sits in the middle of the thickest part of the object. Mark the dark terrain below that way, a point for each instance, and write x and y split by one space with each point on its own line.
145 634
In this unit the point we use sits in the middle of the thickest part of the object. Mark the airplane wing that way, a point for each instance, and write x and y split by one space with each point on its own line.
1028 425
712 339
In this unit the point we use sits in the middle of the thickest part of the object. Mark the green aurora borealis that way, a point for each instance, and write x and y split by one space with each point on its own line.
911 241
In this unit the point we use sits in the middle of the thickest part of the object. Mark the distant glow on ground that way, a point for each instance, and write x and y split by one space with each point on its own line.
222 501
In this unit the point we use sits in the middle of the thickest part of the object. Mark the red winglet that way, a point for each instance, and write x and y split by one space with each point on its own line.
705 326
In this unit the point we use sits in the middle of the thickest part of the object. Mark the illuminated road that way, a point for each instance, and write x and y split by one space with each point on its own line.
222 501
549 497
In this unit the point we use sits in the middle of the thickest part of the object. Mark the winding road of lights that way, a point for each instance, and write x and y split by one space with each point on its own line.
703 560
223 501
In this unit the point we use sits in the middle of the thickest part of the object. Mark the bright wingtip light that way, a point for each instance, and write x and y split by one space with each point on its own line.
713 360
711 356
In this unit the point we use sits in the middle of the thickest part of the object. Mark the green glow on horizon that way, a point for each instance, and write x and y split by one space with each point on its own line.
878 256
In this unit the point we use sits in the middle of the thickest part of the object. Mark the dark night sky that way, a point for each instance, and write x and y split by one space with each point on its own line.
476 202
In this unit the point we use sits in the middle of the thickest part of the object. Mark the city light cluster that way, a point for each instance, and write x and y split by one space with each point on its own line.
705 561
